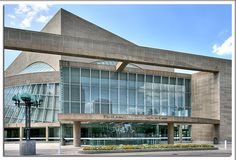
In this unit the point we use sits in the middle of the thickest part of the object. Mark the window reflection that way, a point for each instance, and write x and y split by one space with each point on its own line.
107 92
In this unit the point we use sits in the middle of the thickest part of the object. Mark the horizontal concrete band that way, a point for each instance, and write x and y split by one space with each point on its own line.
30 78
74 46
134 118
33 125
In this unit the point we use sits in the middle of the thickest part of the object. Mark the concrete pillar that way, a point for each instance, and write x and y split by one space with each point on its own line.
216 132
180 134
47 134
21 134
76 133
170 133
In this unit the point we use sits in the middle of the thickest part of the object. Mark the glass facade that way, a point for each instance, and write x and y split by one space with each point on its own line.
110 133
107 92
46 112
37 67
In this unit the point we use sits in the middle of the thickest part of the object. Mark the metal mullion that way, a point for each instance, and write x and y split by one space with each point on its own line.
152 95
127 92
44 107
100 92
183 93
168 96
53 102
176 94
36 109
118 92
109 91
144 91
160 90
80 86
90 90
136 93
69 89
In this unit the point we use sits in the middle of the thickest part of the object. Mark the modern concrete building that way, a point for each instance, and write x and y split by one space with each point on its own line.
100 89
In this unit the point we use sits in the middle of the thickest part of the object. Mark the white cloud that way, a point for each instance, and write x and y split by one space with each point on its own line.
30 12
11 16
22 8
224 48
43 19
26 23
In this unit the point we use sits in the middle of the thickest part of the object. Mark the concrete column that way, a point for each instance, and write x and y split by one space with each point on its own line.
21 134
216 132
47 134
180 134
76 133
170 133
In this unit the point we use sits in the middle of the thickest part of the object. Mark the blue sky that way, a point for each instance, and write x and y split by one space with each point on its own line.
197 29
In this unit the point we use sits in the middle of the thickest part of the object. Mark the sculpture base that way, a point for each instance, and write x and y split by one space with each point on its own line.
28 147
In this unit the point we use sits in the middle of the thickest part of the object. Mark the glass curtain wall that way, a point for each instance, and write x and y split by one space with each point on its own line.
46 112
111 133
106 92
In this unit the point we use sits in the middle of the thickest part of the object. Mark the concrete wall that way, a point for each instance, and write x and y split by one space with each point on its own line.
205 103
27 58
225 81
211 98
75 26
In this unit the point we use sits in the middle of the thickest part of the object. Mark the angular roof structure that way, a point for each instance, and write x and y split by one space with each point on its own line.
66 23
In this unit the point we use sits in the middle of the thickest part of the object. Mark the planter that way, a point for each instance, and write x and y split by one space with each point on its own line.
146 150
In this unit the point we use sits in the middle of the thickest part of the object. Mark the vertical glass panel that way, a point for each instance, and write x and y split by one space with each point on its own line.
123 80
164 103
149 78
83 107
66 92
66 107
75 75
50 89
123 93
172 98
132 97
172 80
85 77
65 74
56 102
105 78
114 80
57 90
85 94
75 107
187 99
114 108
54 132
87 108
156 101
187 85
180 99
96 108
140 94
164 80
49 115
75 93
50 102
95 91
105 108
180 81
157 79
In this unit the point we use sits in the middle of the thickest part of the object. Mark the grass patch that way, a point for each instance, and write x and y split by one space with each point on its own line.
145 146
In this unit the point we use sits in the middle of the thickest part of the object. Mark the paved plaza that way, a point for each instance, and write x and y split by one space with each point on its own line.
53 149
